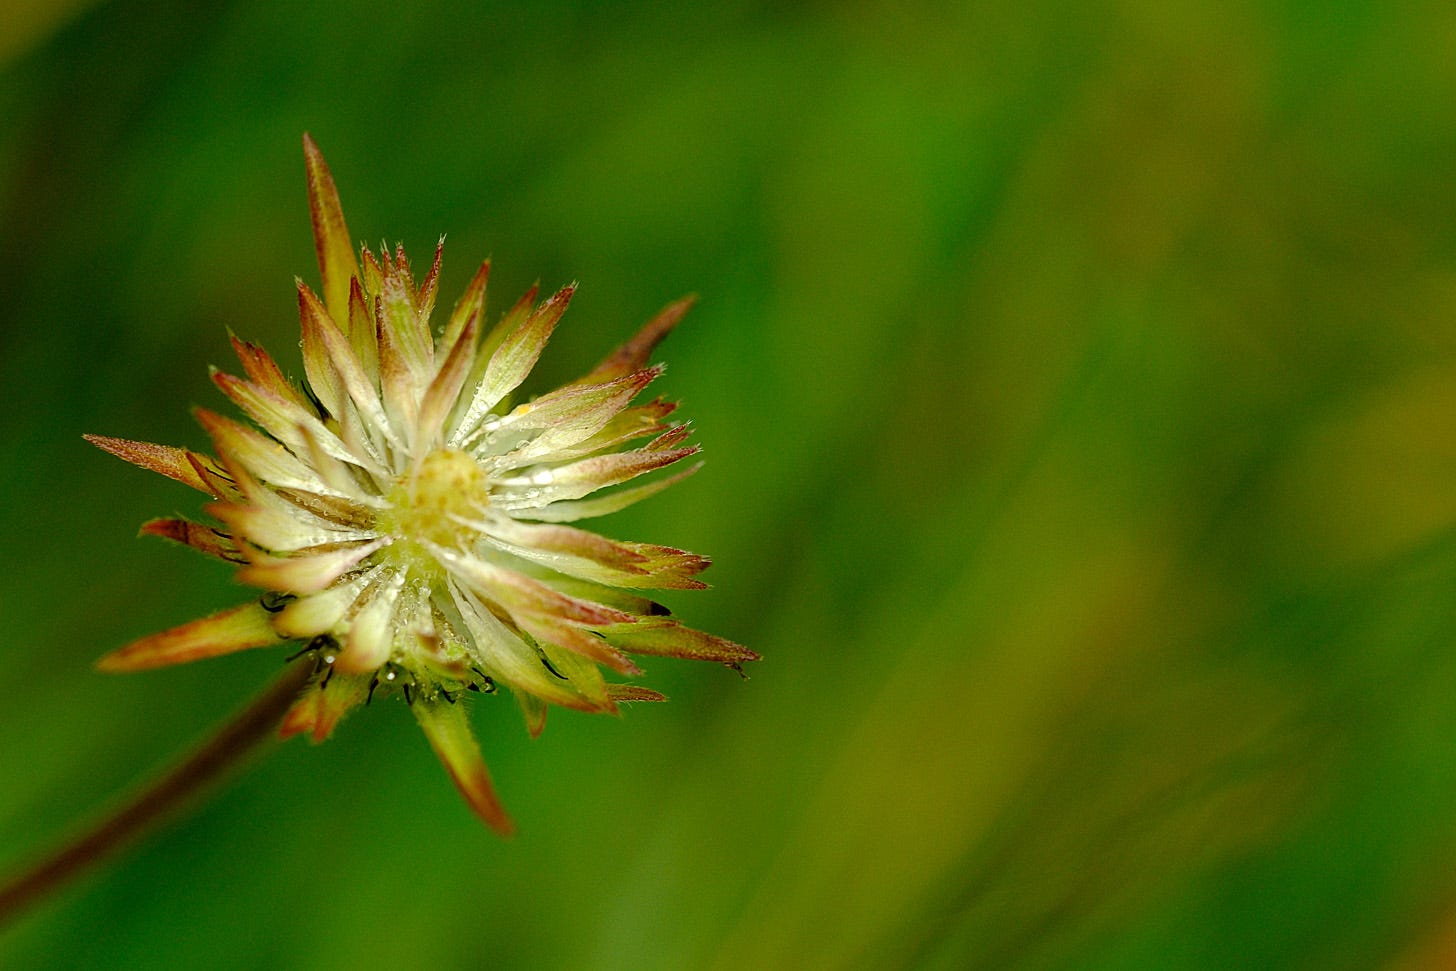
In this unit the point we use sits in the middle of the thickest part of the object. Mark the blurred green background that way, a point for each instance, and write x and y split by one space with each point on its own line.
1078 383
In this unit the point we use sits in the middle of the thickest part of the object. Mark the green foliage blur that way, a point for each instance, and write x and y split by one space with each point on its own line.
1078 385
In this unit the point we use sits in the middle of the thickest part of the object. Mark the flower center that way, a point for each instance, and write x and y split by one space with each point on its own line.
425 506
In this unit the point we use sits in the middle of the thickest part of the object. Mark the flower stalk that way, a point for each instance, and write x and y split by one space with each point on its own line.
152 806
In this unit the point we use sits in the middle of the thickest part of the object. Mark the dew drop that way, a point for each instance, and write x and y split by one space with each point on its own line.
542 477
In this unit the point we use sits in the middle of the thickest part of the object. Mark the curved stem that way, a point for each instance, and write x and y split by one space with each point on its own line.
245 732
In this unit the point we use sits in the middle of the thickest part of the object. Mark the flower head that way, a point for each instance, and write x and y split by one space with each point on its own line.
409 526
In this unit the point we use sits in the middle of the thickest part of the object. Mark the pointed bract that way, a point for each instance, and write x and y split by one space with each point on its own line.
174 463
671 639
227 632
471 304
331 237
569 511
516 355
635 353
449 734
634 692
202 538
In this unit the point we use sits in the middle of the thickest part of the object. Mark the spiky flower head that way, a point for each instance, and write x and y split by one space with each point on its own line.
409 526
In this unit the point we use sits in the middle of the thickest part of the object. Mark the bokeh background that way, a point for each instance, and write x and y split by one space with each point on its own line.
1078 383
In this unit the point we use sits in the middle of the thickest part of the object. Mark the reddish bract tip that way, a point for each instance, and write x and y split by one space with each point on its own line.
633 355
175 463
330 233
633 692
